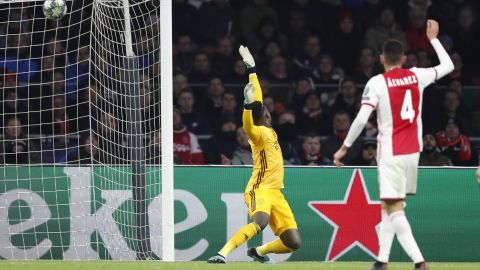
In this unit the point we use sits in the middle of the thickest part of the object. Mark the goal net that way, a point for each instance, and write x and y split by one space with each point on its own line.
81 143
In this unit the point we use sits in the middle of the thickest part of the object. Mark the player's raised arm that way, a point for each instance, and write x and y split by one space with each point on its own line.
252 74
253 96
446 64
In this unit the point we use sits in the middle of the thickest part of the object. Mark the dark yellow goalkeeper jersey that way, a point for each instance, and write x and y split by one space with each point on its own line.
266 152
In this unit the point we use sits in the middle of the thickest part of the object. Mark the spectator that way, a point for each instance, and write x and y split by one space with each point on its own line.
303 87
312 156
77 73
216 19
447 43
466 32
239 76
412 60
48 66
214 98
424 60
316 14
296 31
314 117
385 28
149 104
451 110
415 33
154 150
111 143
458 72
347 99
228 110
224 142
344 43
17 58
243 153
15 148
368 156
185 143
367 66
270 104
202 69
54 46
59 120
12 106
456 146
87 151
88 107
278 74
268 52
328 77
266 31
58 84
341 125
287 132
195 121
253 14
180 82
309 60
431 156
184 54
223 59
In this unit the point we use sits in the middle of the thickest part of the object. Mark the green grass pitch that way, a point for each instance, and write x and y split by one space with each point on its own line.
109 265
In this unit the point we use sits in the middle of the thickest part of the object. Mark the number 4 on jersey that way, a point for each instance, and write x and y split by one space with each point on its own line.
407 107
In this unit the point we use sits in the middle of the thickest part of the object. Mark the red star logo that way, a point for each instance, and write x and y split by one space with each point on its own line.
354 220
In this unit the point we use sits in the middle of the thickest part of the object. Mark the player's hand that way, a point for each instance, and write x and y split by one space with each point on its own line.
249 92
432 29
478 174
341 153
246 56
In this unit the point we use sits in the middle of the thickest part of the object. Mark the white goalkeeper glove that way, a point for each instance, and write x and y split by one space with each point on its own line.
247 56
249 92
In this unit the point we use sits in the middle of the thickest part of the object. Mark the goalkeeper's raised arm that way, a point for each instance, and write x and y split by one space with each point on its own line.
254 113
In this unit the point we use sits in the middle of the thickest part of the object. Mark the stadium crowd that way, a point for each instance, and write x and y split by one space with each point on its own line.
313 58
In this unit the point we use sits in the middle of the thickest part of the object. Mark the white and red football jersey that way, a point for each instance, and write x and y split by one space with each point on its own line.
186 147
397 97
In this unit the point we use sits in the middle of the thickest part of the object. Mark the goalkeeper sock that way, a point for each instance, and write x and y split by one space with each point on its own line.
276 246
241 236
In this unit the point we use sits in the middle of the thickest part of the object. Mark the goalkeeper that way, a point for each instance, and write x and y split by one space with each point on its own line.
266 203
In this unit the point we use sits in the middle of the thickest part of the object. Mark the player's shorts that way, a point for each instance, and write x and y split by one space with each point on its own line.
273 203
397 176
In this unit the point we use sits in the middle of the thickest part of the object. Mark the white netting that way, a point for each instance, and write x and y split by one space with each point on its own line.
80 114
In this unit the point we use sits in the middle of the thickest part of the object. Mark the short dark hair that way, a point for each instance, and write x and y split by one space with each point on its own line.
341 112
257 111
185 90
392 51
310 135
229 92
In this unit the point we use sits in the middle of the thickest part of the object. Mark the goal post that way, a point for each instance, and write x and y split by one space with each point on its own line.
102 115
167 129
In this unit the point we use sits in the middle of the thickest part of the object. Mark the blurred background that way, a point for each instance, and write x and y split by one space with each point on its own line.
313 58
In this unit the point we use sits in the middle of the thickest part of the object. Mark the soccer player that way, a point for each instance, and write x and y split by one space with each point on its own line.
397 97
266 203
